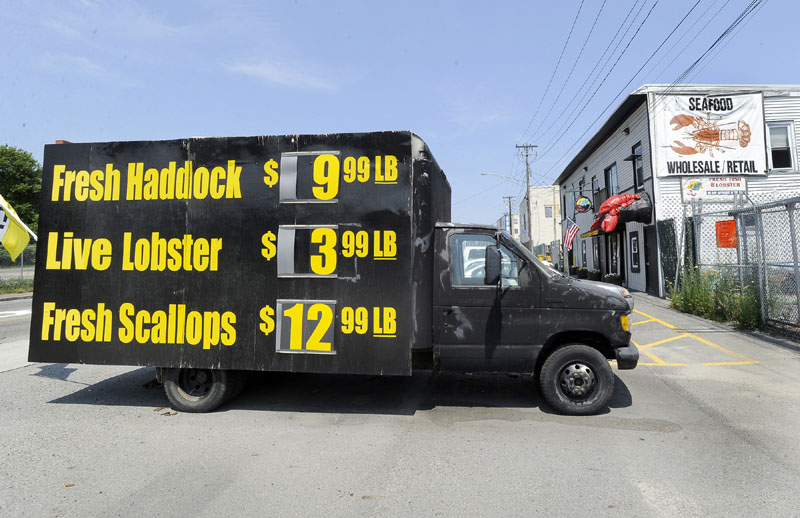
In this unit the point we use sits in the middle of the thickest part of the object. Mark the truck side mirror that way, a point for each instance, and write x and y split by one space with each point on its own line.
492 269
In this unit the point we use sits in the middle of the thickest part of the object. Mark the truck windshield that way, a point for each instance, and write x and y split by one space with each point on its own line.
515 246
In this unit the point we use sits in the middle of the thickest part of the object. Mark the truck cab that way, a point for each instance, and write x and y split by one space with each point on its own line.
506 311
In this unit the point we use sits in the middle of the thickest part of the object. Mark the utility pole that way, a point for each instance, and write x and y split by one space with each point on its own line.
510 221
527 150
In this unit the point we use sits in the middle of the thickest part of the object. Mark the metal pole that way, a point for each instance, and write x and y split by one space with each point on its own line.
762 266
527 147
680 247
790 209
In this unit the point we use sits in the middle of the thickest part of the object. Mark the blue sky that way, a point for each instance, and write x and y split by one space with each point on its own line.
467 77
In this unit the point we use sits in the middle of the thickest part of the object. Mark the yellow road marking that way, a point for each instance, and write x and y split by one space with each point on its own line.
654 319
684 335
721 349
659 362
752 362
642 322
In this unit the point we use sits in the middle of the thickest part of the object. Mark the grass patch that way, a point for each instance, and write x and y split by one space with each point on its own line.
15 286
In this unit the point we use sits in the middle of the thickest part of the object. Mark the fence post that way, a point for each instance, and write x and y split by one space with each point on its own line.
790 210
763 283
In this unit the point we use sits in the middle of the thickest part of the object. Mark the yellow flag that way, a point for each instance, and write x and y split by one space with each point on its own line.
13 234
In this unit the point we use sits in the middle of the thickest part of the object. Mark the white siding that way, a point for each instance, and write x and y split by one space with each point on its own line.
615 149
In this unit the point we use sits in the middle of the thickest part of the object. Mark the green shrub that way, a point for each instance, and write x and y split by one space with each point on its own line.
718 296
29 255
583 273
573 270
594 275
613 278
16 285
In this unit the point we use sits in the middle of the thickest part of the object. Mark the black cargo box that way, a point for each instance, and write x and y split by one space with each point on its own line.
307 253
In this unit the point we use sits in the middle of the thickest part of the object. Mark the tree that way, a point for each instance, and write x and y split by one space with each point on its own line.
20 183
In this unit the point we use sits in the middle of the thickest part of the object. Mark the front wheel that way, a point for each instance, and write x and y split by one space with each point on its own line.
576 380
198 390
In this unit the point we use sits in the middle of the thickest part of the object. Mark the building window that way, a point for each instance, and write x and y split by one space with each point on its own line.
548 211
781 145
581 185
583 252
595 186
611 180
564 208
634 251
596 255
638 165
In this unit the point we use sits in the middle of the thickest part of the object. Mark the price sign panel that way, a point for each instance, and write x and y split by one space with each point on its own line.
303 253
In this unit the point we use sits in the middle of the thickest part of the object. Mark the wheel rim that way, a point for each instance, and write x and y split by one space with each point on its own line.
577 380
195 384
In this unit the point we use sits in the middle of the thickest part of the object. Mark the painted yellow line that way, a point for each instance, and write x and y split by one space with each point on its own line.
721 349
655 358
642 322
732 363
684 335
655 319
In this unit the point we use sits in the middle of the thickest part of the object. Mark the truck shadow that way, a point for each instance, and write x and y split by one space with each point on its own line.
342 394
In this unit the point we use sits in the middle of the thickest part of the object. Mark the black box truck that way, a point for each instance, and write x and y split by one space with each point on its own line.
210 257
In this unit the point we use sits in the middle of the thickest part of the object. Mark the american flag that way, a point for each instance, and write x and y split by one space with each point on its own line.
572 231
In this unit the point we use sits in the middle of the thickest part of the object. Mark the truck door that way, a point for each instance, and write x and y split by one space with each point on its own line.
479 327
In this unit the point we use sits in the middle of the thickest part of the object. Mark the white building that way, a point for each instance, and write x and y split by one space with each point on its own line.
667 143
511 226
546 223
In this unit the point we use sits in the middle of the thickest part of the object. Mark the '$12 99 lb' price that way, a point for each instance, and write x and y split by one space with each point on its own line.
310 323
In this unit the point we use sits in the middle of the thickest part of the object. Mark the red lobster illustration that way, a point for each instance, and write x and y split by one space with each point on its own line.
707 134
609 211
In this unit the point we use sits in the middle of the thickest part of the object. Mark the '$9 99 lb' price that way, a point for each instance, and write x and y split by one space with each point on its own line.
329 170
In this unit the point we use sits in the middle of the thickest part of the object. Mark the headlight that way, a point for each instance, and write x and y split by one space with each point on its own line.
625 324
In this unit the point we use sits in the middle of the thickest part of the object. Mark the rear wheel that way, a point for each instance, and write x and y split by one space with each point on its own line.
198 390
576 380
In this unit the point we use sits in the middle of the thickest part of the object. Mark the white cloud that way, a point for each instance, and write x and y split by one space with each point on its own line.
78 64
281 74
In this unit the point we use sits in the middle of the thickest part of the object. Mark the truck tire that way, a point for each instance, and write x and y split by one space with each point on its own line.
576 380
198 390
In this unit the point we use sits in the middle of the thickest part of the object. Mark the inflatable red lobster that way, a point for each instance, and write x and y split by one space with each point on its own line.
609 211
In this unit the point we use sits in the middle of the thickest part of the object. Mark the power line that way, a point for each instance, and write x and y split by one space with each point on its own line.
591 78
561 130
613 99
571 70
580 7
751 7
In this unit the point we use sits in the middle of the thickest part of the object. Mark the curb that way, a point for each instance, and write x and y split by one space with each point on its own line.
16 296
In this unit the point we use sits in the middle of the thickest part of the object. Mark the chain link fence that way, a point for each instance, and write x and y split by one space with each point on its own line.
746 248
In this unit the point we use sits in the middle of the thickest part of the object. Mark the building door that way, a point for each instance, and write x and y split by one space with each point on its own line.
651 260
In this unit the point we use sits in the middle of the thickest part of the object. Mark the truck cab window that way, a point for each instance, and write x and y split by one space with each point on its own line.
468 260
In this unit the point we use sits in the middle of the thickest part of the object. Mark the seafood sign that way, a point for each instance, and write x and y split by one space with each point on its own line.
703 135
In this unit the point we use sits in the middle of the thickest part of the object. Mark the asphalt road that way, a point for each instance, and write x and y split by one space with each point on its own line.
707 425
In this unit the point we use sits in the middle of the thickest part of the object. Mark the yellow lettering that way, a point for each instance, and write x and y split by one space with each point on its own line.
58 181
126 326
217 174
48 320
82 186
228 336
